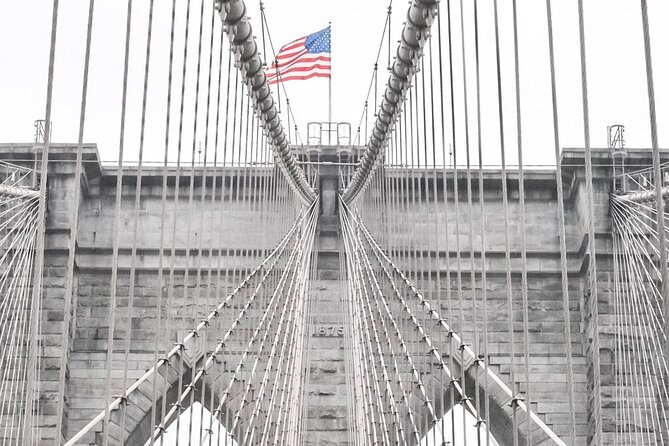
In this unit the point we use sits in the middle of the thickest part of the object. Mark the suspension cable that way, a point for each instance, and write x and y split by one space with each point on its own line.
420 16
240 33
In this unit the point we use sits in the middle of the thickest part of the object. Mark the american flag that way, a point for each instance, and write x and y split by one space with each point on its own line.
302 59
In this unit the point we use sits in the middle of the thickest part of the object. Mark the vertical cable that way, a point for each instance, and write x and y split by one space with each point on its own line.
470 221
230 269
657 173
238 181
507 236
427 282
177 187
390 14
74 227
116 233
413 244
191 194
562 231
456 202
163 206
376 87
203 193
483 358
592 293
522 223
32 387
262 30
138 188
451 389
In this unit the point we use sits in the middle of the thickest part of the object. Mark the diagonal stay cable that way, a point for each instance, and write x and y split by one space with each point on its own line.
430 309
266 265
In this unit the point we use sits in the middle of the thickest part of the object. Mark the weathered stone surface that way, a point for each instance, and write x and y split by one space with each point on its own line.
232 233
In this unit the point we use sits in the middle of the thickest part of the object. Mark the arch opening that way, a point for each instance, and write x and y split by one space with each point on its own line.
457 426
197 425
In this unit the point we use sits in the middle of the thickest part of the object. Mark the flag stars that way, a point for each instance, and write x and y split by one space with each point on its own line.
318 42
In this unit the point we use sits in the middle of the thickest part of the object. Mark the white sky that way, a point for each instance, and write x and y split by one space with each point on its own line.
171 437
614 47
434 436
616 69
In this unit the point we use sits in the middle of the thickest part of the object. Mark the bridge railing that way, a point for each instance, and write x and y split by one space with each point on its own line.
329 133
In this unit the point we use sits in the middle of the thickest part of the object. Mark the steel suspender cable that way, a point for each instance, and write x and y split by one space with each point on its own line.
177 187
435 265
414 35
562 231
240 33
69 283
32 387
212 202
484 356
456 203
442 125
246 176
426 281
657 174
414 186
507 236
191 197
522 222
591 294
133 254
230 271
238 179
374 78
265 26
163 205
470 209
203 190
116 232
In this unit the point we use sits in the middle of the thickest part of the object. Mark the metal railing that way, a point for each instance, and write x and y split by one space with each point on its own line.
329 133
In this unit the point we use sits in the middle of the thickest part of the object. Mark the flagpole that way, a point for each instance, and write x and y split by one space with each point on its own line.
330 88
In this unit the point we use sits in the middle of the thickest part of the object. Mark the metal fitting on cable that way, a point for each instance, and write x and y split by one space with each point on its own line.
416 31
249 63
18 192
643 196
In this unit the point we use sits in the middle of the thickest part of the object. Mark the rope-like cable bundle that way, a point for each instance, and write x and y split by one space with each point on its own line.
242 41
640 322
415 34
18 234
